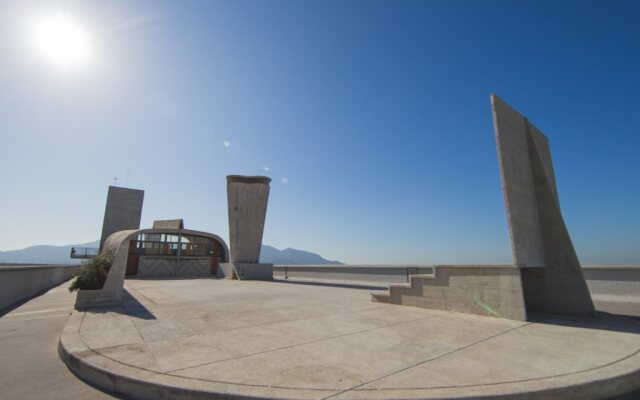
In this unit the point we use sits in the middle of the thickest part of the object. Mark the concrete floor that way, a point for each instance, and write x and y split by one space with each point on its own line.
277 339
31 367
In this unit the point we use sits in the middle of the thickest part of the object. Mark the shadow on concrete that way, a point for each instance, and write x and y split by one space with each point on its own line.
603 321
626 308
331 284
13 306
629 396
130 306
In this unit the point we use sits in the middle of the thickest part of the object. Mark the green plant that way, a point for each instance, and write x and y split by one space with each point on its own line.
93 273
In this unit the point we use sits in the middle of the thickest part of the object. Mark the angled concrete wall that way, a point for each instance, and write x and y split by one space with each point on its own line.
552 279
122 212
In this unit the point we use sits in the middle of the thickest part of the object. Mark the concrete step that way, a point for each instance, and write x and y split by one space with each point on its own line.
398 287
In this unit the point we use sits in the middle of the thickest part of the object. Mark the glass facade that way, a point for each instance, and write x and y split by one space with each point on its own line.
174 245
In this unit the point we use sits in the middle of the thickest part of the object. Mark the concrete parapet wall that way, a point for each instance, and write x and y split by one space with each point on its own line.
615 282
19 282
620 282
381 275
490 290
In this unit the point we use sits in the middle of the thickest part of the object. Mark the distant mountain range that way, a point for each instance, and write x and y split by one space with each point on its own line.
43 254
289 256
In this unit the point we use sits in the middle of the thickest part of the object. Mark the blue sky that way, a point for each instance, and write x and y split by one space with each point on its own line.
375 114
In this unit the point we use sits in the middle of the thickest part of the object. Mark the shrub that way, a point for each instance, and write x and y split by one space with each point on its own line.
93 273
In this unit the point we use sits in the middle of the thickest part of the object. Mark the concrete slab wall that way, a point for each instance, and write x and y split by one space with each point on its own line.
517 185
551 276
20 282
485 290
122 212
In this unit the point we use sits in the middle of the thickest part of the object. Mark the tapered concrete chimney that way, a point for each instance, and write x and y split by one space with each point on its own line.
247 198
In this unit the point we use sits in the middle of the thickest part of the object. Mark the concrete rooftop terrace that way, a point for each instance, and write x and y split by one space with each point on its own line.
193 338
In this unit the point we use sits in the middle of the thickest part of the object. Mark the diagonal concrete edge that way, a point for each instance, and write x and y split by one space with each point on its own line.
609 380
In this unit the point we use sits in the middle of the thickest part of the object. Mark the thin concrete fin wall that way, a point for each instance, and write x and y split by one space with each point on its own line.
122 212
551 277
247 198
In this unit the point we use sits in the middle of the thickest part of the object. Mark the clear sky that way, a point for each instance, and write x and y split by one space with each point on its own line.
372 118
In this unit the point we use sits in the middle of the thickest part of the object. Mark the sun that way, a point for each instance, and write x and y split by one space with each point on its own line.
61 41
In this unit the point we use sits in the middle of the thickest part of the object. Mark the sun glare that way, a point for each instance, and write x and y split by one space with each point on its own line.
61 41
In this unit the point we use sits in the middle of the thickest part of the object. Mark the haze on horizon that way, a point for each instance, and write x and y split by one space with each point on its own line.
372 118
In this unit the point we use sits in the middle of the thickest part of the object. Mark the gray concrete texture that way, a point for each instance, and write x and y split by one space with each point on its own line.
208 338
551 274
490 290
23 281
247 199
168 224
31 368
122 212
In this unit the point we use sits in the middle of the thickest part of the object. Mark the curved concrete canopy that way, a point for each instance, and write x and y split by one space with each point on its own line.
118 243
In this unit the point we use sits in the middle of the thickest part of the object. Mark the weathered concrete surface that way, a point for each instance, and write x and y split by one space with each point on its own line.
490 290
247 271
122 212
19 282
551 274
251 339
31 368
247 199
168 224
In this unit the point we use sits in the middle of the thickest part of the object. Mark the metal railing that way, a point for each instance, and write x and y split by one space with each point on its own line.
361 274
84 252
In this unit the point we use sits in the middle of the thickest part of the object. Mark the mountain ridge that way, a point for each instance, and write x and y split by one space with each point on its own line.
50 254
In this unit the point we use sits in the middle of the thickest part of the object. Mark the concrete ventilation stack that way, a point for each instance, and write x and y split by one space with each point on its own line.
122 212
247 198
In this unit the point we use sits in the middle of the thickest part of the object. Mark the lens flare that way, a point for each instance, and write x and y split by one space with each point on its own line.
61 41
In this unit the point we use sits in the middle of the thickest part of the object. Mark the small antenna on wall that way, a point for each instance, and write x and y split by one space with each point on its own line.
115 180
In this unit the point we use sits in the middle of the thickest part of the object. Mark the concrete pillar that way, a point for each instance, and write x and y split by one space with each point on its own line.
247 198
122 212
